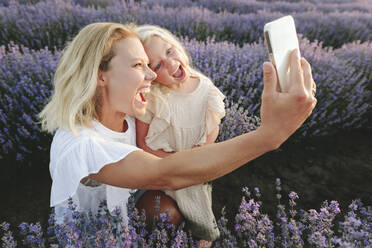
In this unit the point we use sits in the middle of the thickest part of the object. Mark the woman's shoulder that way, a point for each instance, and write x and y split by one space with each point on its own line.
206 85
64 140
95 137
66 135
77 156
211 88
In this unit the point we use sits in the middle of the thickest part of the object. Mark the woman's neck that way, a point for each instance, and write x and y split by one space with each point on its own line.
113 120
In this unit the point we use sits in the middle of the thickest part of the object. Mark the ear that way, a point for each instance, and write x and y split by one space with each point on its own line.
102 78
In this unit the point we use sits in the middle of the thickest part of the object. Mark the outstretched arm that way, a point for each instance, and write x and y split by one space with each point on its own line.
143 170
282 113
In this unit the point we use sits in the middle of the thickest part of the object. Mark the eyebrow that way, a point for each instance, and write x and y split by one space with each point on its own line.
141 59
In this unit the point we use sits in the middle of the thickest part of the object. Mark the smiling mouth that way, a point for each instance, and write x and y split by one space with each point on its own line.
180 73
141 94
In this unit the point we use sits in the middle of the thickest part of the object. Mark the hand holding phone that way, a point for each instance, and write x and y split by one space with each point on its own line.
280 39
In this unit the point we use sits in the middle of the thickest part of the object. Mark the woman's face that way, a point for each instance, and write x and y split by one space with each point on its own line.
167 62
127 77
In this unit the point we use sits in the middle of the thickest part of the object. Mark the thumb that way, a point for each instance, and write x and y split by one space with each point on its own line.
269 77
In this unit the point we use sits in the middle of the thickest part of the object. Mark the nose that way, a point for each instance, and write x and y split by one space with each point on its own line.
172 64
150 74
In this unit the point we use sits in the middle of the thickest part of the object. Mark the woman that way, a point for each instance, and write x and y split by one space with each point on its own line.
98 86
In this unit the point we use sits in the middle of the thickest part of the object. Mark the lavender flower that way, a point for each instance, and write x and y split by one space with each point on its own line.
254 6
252 228
53 23
320 224
344 91
7 239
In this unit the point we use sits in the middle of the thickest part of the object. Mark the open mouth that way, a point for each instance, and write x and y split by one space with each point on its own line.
140 96
180 73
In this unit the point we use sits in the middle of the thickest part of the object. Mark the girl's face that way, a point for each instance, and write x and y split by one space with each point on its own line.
128 75
167 62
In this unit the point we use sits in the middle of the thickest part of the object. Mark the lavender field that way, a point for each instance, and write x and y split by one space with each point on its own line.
325 191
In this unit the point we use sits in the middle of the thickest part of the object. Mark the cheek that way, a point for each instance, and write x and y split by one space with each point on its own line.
119 89
179 56
161 76
183 60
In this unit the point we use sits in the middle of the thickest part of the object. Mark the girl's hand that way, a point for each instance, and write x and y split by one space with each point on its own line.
282 113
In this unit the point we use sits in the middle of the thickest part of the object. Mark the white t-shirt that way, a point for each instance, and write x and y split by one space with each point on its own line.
74 157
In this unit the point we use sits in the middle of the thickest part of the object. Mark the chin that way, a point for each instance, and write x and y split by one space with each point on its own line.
139 112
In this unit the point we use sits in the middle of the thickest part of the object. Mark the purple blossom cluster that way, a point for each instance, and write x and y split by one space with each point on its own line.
251 227
237 121
320 233
84 3
343 94
342 87
333 29
52 23
356 227
101 229
253 6
25 87
6 3
45 24
340 83
358 55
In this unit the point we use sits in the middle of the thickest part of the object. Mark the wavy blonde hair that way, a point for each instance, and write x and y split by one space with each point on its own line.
145 32
75 100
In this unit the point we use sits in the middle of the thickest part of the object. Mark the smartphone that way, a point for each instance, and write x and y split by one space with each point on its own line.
280 39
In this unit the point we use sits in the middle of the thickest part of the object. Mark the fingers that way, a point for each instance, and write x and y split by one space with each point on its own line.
308 77
295 74
270 78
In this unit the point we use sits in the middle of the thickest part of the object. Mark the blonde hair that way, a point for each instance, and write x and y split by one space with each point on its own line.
75 100
145 32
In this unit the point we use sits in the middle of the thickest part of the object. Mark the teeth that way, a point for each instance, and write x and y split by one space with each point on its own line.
144 90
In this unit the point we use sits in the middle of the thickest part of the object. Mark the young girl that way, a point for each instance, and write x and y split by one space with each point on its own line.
184 111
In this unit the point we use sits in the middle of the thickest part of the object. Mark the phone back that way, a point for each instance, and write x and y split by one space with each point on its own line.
281 39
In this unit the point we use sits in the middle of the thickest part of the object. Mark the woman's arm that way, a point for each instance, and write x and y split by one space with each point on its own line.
142 129
282 113
143 170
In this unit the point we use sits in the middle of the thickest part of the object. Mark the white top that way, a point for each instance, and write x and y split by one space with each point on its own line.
74 157
179 121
